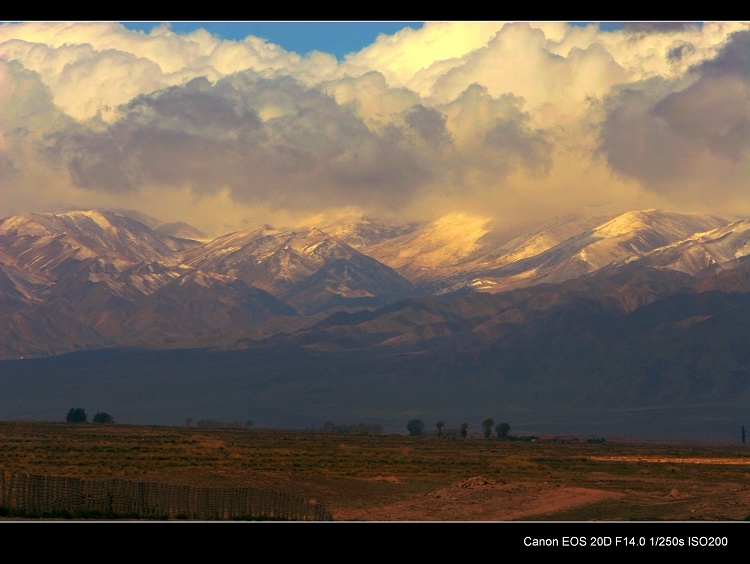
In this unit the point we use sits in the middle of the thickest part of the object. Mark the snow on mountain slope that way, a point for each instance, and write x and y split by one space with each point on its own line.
270 258
538 239
628 235
279 261
361 231
625 237
458 251
701 250
448 240
226 252
55 257
42 242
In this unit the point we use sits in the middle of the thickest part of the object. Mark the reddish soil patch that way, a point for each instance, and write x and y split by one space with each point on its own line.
482 499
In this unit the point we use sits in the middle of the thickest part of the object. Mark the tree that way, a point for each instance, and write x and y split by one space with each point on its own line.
464 430
415 427
440 425
102 417
76 415
249 424
743 434
487 426
502 431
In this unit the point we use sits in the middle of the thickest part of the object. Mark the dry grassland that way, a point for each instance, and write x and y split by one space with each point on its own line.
400 478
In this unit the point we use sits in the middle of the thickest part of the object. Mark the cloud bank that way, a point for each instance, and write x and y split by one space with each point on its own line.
518 121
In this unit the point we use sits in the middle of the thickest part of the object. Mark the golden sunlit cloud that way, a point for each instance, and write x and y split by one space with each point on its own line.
514 119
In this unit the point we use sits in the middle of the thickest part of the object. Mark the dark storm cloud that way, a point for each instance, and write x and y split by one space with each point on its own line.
678 52
664 133
517 141
196 108
636 142
268 139
710 114
495 135
428 123
733 58
657 27
7 168
26 104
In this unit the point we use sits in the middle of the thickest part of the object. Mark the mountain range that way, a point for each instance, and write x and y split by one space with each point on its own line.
634 324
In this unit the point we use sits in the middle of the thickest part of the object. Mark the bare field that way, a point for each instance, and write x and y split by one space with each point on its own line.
400 478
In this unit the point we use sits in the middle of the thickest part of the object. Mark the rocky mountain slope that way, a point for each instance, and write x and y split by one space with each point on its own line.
126 283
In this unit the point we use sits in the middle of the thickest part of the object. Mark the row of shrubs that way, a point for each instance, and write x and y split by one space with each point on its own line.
78 415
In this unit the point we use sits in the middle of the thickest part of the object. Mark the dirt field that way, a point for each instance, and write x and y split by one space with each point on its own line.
399 478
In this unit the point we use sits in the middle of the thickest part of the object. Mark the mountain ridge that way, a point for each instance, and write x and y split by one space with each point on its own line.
71 261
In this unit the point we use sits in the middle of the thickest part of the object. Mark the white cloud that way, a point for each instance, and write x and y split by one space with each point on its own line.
516 118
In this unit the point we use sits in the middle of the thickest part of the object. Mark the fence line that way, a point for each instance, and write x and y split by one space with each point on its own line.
45 495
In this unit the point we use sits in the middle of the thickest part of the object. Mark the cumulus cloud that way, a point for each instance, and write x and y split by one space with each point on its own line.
657 27
112 64
213 136
406 57
26 107
493 135
371 98
689 138
516 119
428 123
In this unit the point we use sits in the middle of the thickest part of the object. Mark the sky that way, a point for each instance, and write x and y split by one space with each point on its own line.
235 124
335 38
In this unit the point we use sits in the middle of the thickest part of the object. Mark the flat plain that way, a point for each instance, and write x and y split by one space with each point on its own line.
401 478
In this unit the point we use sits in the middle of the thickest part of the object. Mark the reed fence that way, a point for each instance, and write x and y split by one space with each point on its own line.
49 495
